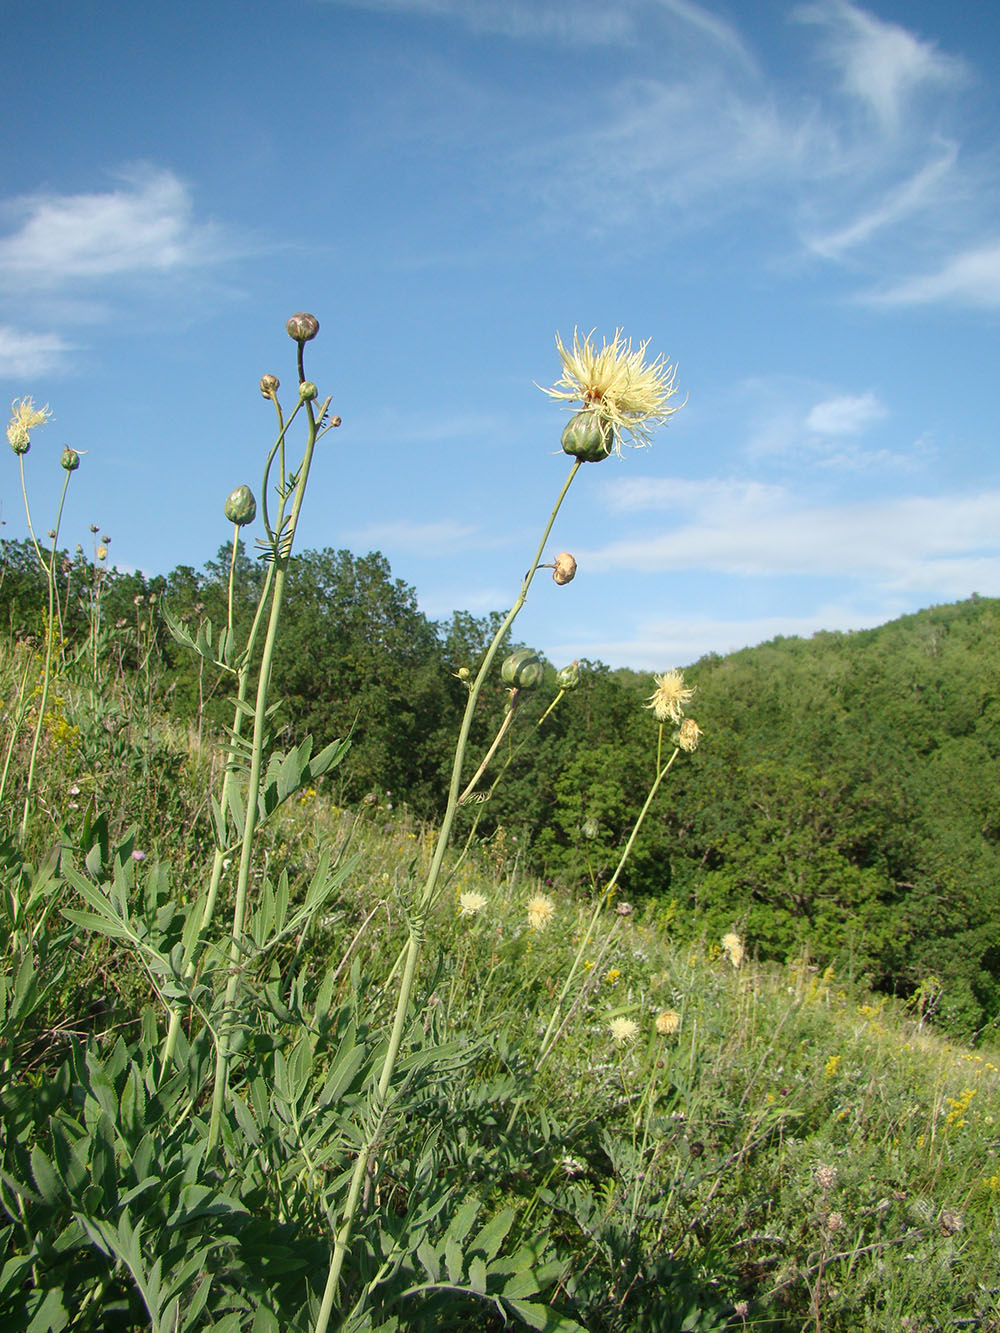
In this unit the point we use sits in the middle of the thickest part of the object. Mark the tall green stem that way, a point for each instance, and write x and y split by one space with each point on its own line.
50 633
343 1235
602 901
282 551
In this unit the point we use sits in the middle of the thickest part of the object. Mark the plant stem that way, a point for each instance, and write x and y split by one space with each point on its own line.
282 556
343 1234
50 630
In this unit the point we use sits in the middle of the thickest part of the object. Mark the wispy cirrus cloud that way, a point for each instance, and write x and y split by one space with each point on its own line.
145 225
969 278
23 356
881 64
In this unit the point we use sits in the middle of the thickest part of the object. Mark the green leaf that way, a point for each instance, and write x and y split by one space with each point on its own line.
490 1237
46 1178
541 1317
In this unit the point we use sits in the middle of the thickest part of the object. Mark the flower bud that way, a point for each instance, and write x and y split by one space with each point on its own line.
302 327
70 459
269 385
569 677
308 391
19 439
590 829
94 528
522 669
564 569
241 508
588 436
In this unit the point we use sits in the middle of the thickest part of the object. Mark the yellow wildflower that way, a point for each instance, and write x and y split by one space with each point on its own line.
733 946
470 904
668 1022
612 975
623 1030
541 910
24 417
617 385
668 699
689 735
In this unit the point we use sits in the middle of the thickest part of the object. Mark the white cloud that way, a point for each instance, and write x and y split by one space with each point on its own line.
881 64
845 415
146 225
26 355
929 186
971 278
942 545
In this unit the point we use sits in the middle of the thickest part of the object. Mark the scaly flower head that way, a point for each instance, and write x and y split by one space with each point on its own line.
668 699
617 386
541 910
623 1030
470 904
24 417
668 1022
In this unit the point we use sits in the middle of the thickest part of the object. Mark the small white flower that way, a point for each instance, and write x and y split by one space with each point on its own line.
470 904
623 1030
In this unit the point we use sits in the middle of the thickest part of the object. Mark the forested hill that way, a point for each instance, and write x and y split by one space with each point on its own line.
849 793
845 798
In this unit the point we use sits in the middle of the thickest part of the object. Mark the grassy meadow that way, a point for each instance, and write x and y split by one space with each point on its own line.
273 1062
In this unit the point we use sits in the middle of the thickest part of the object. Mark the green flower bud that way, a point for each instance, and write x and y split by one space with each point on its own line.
269 385
522 669
588 436
308 391
241 508
302 327
590 829
569 677
70 459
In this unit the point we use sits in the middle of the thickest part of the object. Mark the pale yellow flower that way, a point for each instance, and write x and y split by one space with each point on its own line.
541 910
733 946
615 383
689 734
623 1030
668 699
24 417
470 904
668 1022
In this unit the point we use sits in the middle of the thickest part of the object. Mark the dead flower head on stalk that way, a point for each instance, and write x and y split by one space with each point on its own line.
622 398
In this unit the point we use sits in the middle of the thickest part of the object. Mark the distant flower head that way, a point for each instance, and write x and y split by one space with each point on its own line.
689 734
24 417
668 699
138 856
826 1177
623 1030
668 1022
541 910
470 904
733 946
616 385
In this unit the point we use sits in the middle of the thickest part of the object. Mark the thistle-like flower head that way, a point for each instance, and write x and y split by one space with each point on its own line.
541 910
668 699
470 903
24 417
615 384
623 1030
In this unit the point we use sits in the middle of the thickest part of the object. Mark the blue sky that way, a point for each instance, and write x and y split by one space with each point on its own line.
796 203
